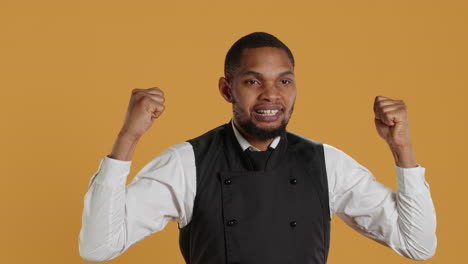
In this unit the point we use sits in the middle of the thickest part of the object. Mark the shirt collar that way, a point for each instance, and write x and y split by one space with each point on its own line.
246 145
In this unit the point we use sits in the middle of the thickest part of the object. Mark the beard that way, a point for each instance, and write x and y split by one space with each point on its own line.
262 133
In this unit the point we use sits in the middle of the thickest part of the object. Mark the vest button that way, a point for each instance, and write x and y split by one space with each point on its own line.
293 223
227 181
293 181
231 222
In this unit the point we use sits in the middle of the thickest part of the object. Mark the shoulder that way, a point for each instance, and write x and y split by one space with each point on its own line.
336 158
343 170
305 147
209 143
173 157
183 149
208 137
296 139
331 153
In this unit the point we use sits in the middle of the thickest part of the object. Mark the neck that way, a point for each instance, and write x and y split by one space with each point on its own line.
260 144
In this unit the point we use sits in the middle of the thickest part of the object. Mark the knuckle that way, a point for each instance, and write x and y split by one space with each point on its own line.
145 99
138 95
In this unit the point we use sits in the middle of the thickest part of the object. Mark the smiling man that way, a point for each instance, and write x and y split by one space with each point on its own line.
249 191
262 90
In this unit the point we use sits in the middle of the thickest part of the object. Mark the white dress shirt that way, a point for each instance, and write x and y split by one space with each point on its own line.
116 216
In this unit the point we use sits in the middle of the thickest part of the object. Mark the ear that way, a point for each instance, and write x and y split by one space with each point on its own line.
225 89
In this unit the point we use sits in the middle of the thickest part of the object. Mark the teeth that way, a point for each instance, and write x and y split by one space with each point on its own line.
268 112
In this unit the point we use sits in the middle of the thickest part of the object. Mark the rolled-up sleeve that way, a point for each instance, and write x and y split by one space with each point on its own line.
404 220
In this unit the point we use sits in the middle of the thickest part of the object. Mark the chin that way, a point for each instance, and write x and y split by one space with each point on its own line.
265 131
268 127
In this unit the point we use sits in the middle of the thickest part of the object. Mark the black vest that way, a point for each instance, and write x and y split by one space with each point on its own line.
279 215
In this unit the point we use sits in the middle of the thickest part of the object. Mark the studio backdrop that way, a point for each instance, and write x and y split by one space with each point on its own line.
67 69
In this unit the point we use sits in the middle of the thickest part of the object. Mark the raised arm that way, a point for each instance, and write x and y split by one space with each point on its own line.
404 220
116 216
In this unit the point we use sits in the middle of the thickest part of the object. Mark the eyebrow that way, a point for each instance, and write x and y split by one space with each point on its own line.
259 74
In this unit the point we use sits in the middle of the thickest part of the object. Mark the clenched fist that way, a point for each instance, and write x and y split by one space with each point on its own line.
145 105
391 121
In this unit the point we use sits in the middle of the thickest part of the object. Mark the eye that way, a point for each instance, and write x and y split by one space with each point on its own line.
251 82
284 81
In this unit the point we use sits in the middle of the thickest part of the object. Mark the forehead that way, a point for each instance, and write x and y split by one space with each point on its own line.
267 58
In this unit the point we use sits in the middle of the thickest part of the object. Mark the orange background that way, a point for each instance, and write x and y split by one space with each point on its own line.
68 68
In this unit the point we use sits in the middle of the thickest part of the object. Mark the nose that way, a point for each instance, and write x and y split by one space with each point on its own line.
269 93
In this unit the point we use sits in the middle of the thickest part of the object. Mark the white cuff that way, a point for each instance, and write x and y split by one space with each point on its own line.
411 180
112 172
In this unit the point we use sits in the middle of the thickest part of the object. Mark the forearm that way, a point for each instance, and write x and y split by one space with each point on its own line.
406 219
102 234
416 226
416 215
404 155
416 222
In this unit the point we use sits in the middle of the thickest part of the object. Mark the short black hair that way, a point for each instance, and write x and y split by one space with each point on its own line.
252 40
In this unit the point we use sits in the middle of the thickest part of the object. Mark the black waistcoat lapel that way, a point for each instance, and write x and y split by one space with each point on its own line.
279 215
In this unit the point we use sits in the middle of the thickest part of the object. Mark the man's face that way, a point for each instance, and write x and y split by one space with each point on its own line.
263 92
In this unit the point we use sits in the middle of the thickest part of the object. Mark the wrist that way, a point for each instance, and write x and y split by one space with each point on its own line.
124 147
404 155
127 137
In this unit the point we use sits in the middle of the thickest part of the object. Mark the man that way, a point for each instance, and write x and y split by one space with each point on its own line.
249 191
